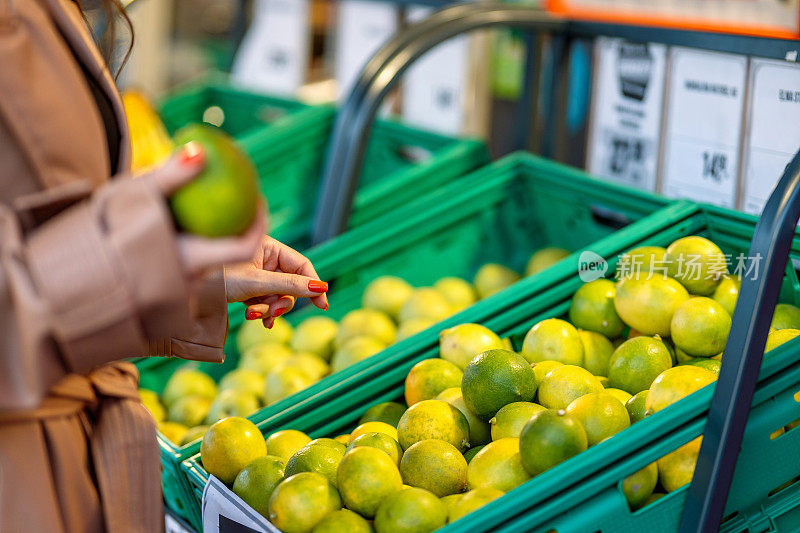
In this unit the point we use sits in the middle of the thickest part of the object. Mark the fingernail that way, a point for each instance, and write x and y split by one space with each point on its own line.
191 155
325 308
252 315
317 286
279 312
271 323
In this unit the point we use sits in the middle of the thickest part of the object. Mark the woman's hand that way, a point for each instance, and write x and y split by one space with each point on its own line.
271 281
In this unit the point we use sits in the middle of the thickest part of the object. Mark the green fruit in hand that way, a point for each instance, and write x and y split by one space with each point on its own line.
223 200
697 263
553 340
700 327
495 378
647 305
593 309
549 438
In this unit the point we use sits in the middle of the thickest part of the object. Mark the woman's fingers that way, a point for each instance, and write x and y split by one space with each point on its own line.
262 282
268 307
179 169
292 261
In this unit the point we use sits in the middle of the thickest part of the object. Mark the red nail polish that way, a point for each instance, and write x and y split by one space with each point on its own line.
279 312
191 155
252 315
272 323
317 286
325 308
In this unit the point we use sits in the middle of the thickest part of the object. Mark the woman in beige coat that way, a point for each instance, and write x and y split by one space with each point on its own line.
92 271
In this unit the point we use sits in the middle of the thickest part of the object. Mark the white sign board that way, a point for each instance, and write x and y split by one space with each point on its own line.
627 103
434 87
705 103
361 28
223 511
275 52
773 133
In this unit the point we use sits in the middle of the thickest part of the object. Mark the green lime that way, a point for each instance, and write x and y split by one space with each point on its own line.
189 410
637 362
264 358
549 438
786 316
256 481
244 380
412 326
433 419
553 340
495 378
342 521
373 427
410 511
565 383
387 294
727 292
317 457
380 441
677 468
601 414
642 261
229 445
285 443
700 327
387 412
781 336
472 452
640 485
697 263
637 406
509 421
540 370
597 352
472 501
593 309
709 364
497 466
300 502
367 476
647 304
479 432
430 377
252 333
313 365
461 343
619 394
604 381
436 466
232 402
675 384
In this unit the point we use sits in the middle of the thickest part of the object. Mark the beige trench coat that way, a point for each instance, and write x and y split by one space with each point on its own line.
88 275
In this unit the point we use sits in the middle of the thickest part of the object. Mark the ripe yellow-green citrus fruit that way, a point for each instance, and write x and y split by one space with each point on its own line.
379 441
472 452
540 370
497 466
593 309
320 457
301 501
549 438
509 421
193 434
472 501
316 335
244 380
173 431
707 363
366 477
697 263
374 427
253 333
342 521
314 366
285 443
459 292
786 316
355 350
231 402
436 466
388 412
229 445
597 351
647 305
637 406
727 292
553 340
282 382
675 384
426 303
479 431
152 404
492 278
640 485
565 383
433 419
411 327
495 378
256 482
637 362
642 261
366 323
189 410
410 511
430 377
545 258
387 294
619 394
601 415
461 343
781 336
676 468
188 382
700 327
264 358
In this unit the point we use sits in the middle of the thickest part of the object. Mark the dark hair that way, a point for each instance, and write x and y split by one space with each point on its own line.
113 12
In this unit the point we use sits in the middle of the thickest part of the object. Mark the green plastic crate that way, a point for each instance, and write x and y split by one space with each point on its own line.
583 494
500 213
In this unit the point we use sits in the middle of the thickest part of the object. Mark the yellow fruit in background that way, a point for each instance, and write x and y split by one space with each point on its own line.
545 258
786 316
311 364
776 338
727 292
389 412
459 292
549 438
410 510
619 394
342 521
231 402
387 294
638 487
355 350
283 382
479 432
188 382
677 468
189 410
601 414
700 327
592 308
496 378
244 380
374 427
366 477
642 261
316 335
264 358
565 383
229 445
322 456
411 327
152 404
433 419
541 369
426 303
492 278
472 501
436 466
697 263
461 343
379 441
193 434
497 466
252 333
597 352
150 142
172 431
647 305
256 482
637 362
366 323
553 340
302 501
509 421
675 384
285 443
428 378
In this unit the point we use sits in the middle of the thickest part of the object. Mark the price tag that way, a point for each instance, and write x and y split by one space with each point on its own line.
703 126
173 525
626 111
361 28
773 133
434 88
224 512
275 51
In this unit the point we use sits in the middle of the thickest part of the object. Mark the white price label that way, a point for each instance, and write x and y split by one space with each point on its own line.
704 126
275 51
361 28
224 512
626 111
433 88
773 133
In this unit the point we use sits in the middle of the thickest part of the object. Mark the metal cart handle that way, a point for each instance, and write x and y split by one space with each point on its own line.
352 127
730 405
